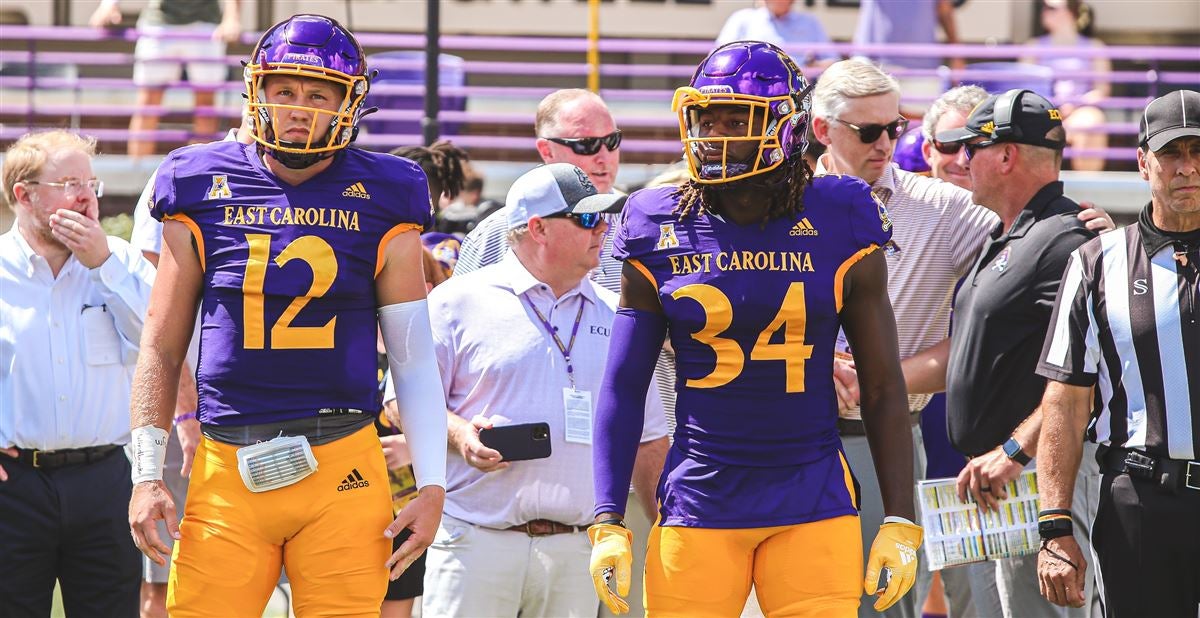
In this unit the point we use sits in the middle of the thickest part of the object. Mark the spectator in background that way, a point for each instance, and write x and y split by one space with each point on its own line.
445 167
775 22
1068 23
71 307
949 161
156 65
458 216
513 540
883 22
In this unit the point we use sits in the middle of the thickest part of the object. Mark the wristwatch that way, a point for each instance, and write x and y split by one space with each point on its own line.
1012 449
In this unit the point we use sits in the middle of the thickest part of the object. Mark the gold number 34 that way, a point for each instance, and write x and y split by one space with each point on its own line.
319 256
718 316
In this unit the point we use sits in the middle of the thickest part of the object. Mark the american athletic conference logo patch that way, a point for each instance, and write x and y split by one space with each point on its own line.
220 188
666 237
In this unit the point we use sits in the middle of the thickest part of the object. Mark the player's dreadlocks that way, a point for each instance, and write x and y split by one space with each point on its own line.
785 187
442 162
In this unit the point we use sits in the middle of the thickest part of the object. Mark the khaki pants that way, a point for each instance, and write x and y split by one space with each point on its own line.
474 571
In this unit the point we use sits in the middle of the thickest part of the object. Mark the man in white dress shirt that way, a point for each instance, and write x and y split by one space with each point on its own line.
72 302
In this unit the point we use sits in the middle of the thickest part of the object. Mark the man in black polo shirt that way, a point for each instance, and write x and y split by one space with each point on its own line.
1127 326
1014 145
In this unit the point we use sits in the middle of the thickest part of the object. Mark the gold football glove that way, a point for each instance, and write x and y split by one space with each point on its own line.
612 558
894 549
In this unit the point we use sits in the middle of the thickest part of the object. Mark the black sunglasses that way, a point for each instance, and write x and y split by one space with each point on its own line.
589 145
871 132
587 220
972 148
947 148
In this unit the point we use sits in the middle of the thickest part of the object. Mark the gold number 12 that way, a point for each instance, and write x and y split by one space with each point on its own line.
319 256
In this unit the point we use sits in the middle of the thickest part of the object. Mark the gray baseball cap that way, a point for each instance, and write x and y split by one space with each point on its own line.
553 189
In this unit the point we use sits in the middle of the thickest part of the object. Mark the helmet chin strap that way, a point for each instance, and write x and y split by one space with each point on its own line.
293 160
298 160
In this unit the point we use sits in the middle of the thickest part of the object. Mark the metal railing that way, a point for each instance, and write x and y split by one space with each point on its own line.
96 95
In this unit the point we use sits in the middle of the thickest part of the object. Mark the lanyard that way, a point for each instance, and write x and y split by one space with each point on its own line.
565 350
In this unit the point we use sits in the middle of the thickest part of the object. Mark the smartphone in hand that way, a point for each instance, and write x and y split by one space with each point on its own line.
518 442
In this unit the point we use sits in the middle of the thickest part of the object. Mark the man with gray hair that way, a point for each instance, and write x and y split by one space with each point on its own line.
513 538
947 161
937 234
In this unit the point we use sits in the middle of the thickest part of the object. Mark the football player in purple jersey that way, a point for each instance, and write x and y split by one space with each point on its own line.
293 248
750 269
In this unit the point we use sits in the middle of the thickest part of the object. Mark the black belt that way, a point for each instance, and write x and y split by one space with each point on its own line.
854 426
1170 474
64 457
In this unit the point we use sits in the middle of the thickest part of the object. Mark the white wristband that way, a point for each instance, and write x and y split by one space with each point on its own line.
896 519
149 453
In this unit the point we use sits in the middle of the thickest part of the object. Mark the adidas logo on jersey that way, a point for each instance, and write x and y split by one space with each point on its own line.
354 480
803 228
356 190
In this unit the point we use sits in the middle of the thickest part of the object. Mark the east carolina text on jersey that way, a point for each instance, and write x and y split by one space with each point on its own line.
753 311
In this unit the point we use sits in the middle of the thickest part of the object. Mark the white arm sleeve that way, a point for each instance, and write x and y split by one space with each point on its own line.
419 395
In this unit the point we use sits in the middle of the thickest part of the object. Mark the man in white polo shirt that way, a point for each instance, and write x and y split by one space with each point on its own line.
524 341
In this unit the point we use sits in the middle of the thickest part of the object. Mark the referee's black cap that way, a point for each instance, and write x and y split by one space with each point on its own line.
1171 116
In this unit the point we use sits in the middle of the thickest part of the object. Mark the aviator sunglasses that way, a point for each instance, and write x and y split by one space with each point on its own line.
871 132
589 145
587 220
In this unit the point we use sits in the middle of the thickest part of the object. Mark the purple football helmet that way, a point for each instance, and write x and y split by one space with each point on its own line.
313 47
754 77
908 153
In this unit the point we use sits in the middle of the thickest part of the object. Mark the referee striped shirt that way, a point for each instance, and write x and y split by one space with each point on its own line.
1125 319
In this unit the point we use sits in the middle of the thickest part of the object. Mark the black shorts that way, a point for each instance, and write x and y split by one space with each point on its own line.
411 583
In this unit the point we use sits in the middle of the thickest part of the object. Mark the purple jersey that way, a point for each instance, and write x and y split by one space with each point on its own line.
287 317
753 317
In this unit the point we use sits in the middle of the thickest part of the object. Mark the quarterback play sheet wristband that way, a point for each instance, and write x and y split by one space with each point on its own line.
149 452
637 337
419 396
